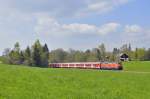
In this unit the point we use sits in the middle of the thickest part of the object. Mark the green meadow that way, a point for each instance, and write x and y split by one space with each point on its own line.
22 82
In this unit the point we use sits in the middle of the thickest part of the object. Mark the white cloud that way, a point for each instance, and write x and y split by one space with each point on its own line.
60 7
79 28
46 25
108 28
133 29
135 34
101 6
51 26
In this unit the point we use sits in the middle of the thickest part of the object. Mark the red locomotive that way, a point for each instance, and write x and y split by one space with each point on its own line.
88 65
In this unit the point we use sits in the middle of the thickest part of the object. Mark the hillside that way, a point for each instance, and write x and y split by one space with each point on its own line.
21 82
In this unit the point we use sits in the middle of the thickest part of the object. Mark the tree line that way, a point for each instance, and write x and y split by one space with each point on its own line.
99 54
39 55
36 55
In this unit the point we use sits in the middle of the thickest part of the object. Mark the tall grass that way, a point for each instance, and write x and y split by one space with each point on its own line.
20 82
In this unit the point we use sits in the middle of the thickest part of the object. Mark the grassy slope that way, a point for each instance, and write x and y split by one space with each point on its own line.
18 82
137 66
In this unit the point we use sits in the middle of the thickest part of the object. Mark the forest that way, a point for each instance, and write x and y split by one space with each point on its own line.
40 56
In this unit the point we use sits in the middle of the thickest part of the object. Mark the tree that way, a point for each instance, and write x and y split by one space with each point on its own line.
102 51
141 53
17 47
14 55
115 54
79 56
70 57
37 56
147 56
6 52
37 51
130 48
91 55
58 55
22 58
45 56
136 53
124 49
5 57
130 52
98 55
27 56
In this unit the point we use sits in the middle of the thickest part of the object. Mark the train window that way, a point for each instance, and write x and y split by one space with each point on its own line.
77 64
94 64
82 64
87 64
64 64
71 64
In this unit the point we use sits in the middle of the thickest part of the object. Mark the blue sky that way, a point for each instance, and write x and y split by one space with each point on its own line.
78 24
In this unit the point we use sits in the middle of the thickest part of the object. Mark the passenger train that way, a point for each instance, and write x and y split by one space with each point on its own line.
88 65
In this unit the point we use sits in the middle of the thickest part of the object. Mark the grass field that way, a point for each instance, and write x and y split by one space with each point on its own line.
137 66
21 82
